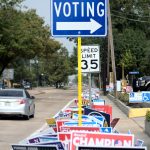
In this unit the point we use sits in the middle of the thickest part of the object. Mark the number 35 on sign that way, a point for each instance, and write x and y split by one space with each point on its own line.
90 58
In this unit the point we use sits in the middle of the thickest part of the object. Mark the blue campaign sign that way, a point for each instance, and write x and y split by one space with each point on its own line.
87 124
106 129
79 18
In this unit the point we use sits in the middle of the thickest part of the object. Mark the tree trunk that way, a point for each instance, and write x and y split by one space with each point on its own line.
2 68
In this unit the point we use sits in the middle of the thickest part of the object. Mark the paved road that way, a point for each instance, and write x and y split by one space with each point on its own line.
48 103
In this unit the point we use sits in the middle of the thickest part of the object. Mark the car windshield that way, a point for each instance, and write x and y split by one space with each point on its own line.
9 93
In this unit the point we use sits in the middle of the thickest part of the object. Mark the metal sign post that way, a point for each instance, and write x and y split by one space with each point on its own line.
90 94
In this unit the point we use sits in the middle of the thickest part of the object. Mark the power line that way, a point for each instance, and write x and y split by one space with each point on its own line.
142 21
148 16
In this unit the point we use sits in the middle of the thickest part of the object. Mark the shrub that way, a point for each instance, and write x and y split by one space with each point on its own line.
124 97
148 116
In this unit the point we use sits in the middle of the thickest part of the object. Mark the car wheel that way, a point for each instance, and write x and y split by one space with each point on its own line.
148 89
26 117
32 116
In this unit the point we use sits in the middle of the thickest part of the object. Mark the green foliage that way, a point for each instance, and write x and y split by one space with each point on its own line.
131 20
148 116
9 3
124 97
23 70
130 49
57 67
128 60
22 35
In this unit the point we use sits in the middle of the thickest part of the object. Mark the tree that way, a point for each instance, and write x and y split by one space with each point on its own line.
9 3
58 68
32 71
22 34
23 70
127 61
130 49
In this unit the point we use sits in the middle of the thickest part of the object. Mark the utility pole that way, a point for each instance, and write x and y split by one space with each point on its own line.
110 37
108 61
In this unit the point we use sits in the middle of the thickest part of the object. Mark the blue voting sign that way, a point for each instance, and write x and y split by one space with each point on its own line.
79 18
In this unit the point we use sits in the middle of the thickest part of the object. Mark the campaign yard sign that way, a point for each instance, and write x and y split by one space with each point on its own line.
100 139
34 147
106 129
40 139
98 102
97 119
104 108
110 148
65 137
57 143
84 123
79 128
60 123
92 112
76 116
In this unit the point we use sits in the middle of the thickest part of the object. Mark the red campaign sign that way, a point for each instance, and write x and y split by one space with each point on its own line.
68 110
79 128
104 108
55 129
65 139
100 139
60 123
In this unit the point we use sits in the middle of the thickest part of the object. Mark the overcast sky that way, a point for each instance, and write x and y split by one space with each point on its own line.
43 9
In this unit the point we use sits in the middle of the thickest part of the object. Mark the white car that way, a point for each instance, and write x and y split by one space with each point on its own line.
17 102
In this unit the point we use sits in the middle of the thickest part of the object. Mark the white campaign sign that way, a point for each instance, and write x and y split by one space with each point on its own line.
90 58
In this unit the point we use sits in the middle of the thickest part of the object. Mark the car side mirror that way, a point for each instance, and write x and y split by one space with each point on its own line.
32 97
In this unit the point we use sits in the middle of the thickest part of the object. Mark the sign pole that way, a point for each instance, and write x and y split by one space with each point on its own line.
90 88
110 36
79 82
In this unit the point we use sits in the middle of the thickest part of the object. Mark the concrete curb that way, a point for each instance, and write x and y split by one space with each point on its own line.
125 109
130 112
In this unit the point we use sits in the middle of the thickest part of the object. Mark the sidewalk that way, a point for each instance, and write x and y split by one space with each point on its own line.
136 125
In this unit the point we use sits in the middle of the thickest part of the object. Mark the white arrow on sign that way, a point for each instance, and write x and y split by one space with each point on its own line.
92 26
